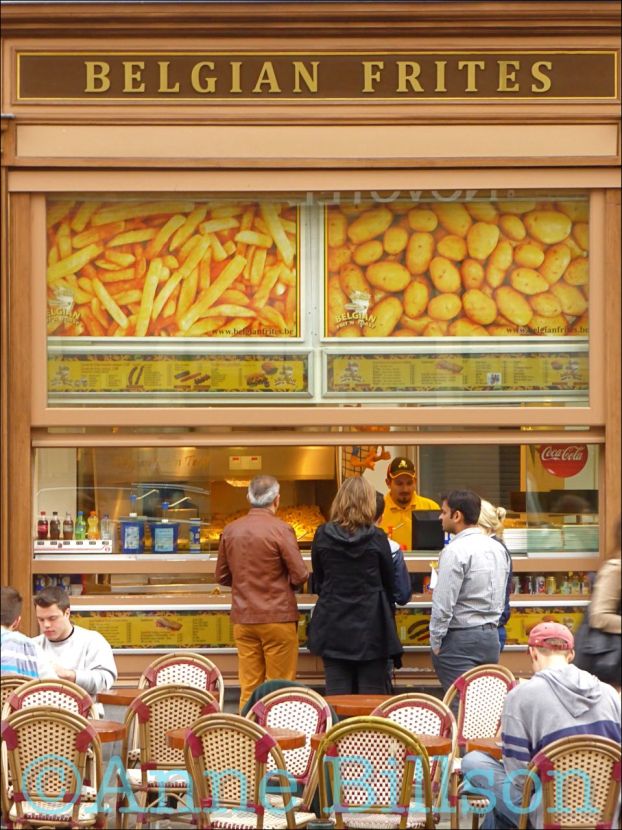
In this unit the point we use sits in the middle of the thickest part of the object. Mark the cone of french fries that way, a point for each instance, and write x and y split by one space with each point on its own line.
173 268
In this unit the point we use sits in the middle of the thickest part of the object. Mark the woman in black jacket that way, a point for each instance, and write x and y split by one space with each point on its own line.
352 627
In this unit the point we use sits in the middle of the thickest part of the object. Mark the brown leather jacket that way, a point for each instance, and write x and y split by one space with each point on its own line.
259 557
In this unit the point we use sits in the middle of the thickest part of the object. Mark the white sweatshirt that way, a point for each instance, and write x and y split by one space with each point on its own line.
85 652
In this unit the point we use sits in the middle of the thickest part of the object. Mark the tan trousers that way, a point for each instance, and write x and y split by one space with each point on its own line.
266 651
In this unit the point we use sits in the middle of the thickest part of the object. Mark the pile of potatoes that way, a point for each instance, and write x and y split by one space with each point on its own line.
458 269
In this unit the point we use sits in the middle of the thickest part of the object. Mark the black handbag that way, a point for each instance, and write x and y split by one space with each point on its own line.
598 651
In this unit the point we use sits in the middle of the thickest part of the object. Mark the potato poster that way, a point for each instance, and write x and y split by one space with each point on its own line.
457 269
172 268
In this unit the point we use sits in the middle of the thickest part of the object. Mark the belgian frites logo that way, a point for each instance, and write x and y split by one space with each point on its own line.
356 311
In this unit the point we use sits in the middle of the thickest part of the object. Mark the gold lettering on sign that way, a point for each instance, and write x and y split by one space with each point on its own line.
407 73
440 76
97 79
267 75
132 71
471 67
536 72
196 78
371 73
164 87
302 73
235 76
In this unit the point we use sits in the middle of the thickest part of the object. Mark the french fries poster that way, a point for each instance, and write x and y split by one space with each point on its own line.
172 268
458 269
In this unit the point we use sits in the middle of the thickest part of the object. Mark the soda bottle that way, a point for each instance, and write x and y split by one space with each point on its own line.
194 535
107 527
68 526
80 528
92 526
42 526
54 526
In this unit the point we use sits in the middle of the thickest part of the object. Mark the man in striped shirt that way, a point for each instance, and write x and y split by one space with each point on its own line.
470 593
19 654
559 701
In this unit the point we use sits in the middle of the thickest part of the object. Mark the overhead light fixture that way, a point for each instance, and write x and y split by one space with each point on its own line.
238 482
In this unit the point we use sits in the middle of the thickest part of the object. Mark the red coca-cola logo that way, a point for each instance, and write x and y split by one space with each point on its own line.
563 460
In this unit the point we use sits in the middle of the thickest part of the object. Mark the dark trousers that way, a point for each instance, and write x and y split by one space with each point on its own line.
463 649
348 677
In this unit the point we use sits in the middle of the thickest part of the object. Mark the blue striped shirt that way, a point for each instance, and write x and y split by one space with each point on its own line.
21 655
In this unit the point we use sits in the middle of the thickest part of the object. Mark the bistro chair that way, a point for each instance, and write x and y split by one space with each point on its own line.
481 694
56 693
48 757
580 778
227 757
161 771
378 776
296 707
185 668
427 715
9 683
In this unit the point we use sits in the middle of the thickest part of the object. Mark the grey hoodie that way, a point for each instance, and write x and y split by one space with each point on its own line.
555 703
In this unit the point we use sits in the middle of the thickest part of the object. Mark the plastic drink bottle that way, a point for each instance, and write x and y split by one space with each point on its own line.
92 526
107 527
42 526
80 527
54 526
68 526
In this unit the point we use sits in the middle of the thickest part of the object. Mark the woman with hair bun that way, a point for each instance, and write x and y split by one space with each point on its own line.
491 521
352 627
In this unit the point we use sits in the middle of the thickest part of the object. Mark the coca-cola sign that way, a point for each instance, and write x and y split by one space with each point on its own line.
563 460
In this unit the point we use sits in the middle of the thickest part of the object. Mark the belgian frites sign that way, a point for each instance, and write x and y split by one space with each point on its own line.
330 76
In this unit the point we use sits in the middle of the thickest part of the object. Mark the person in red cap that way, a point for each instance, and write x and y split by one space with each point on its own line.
401 500
559 701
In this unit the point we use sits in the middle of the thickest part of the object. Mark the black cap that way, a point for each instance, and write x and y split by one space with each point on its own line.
401 466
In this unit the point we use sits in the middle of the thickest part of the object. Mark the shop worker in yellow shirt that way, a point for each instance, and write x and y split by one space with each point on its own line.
401 500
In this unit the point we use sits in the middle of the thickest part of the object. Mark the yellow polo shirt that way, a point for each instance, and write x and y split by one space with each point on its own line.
400 518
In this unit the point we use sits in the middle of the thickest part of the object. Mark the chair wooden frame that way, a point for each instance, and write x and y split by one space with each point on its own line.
596 757
234 751
9 683
185 668
405 752
470 726
427 715
270 710
485 723
40 741
52 692
154 712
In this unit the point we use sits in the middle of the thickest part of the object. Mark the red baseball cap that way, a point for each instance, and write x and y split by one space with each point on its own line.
540 635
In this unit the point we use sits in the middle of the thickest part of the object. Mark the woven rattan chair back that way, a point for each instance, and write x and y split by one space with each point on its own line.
425 715
48 752
580 778
160 709
481 693
226 756
386 756
61 694
8 684
185 669
294 708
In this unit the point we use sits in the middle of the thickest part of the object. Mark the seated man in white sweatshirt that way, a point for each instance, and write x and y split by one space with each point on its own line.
76 653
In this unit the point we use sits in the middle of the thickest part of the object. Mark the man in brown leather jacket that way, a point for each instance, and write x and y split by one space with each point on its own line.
259 557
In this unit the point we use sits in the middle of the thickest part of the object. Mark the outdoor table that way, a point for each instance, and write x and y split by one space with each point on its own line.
120 696
491 746
286 738
108 730
351 705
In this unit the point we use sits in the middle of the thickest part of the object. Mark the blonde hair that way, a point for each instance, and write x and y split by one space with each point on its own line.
354 505
491 519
